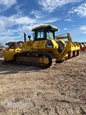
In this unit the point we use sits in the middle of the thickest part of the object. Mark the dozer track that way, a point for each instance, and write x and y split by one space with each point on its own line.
34 58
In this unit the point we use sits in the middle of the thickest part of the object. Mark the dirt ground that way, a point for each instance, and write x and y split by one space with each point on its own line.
58 90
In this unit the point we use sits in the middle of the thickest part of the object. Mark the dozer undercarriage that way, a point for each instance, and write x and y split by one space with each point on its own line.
43 49
39 59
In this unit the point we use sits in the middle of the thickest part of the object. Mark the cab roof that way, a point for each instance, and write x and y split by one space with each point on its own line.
46 26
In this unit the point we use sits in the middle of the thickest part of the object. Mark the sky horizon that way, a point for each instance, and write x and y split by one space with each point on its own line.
18 16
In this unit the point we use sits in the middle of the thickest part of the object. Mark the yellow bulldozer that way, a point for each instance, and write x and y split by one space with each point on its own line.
44 47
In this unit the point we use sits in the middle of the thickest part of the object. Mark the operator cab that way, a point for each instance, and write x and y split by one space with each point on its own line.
44 32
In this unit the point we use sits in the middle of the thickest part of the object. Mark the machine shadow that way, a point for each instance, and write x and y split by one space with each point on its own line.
12 68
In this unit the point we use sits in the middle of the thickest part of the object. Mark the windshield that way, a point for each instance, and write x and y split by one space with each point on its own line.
50 35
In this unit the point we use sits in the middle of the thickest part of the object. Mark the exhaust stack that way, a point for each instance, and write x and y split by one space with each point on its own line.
24 37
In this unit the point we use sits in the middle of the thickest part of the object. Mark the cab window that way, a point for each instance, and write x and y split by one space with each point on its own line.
40 34
50 35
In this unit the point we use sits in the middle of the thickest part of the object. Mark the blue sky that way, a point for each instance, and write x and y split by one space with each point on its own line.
19 16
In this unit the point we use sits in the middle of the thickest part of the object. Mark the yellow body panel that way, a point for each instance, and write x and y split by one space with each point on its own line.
39 44
27 45
42 45
9 55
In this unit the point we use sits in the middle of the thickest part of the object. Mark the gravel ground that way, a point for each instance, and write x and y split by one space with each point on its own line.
58 90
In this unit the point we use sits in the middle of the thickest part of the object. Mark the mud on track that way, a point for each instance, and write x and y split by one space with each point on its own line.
58 90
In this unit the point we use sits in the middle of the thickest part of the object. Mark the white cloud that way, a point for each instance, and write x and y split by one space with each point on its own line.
5 4
21 24
80 10
15 20
13 27
83 29
17 8
52 20
65 29
68 20
23 20
50 5
37 14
